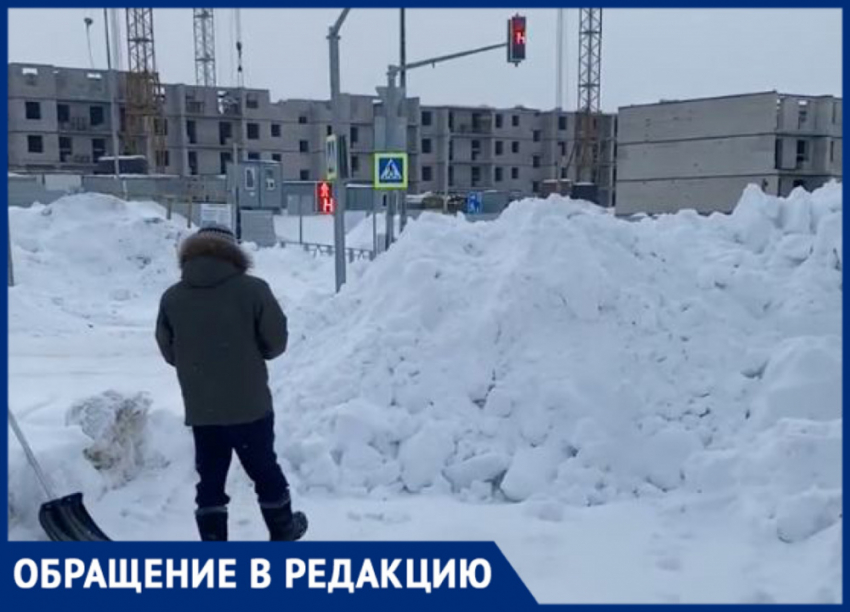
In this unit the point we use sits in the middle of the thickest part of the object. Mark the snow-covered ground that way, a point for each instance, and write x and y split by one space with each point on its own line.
634 411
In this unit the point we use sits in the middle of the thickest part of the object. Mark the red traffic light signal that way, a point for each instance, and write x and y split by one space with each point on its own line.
325 202
516 39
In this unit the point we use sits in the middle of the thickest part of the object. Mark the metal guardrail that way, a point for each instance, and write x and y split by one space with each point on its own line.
328 250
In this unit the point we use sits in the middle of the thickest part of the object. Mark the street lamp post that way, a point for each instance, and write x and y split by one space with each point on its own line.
336 110
113 102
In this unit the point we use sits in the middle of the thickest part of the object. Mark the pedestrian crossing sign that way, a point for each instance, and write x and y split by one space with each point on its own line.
390 171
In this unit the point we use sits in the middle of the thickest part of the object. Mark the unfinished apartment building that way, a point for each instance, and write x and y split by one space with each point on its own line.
290 132
702 153
59 120
517 150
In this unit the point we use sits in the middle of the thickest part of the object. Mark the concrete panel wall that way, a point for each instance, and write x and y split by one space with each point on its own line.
740 115
836 156
703 195
84 85
807 115
820 155
788 183
18 121
25 191
697 158
700 153
837 114
32 81
48 157
158 188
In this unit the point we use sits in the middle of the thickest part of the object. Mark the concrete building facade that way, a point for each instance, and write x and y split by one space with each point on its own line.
515 150
59 120
290 132
56 119
701 154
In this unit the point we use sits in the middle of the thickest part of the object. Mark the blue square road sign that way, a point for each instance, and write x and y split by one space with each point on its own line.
390 171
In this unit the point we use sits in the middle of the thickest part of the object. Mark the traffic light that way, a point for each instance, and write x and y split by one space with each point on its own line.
516 39
325 202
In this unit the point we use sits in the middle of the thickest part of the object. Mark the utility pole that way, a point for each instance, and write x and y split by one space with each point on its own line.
11 269
559 95
113 102
403 50
402 64
336 109
238 133
448 150
391 136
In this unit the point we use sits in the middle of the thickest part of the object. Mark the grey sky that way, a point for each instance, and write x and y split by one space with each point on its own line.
647 54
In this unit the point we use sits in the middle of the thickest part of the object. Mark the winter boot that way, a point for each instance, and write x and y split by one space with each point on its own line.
284 524
212 524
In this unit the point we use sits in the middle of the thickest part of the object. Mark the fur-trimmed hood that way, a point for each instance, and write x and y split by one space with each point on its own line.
208 260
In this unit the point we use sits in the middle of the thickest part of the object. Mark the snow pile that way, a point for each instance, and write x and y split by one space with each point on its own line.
106 442
687 368
560 353
88 260
92 260
787 465
118 428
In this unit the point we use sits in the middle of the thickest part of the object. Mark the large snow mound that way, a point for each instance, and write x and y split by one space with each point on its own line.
559 352
89 258
686 367
92 260
554 355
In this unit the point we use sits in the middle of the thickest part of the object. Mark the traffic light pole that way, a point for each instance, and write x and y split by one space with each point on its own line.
403 60
396 127
113 99
336 109
9 232
393 70
391 135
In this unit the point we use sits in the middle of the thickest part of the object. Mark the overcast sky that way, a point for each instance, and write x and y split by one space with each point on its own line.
646 54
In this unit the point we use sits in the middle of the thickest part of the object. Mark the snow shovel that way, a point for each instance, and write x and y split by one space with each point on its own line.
64 519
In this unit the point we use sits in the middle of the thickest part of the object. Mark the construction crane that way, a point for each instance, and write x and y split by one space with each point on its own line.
144 125
204 23
586 152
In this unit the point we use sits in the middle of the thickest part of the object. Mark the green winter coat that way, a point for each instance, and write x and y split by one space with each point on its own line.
217 327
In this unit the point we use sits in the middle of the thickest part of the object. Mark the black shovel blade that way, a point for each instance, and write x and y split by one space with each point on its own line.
67 520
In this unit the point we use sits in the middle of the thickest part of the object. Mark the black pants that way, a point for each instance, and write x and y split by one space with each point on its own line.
254 445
